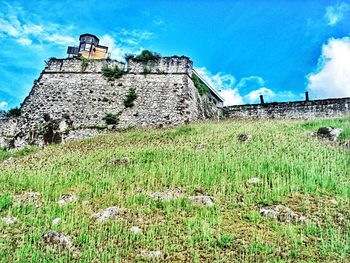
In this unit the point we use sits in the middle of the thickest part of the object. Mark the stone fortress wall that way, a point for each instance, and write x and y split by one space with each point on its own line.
72 100
308 109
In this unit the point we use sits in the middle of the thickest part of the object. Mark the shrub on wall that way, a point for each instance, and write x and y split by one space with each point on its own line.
15 112
112 73
130 97
146 56
201 87
84 64
111 119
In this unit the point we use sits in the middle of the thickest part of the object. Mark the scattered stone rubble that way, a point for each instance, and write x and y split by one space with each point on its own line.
120 161
57 240
282 214
108 213
328 133
136 230
151 254
28 198
166 196
244 137
56 221
8 220
202 199
254 180
68 198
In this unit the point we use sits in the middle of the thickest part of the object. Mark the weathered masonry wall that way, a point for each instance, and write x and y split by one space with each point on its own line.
291 110
73 100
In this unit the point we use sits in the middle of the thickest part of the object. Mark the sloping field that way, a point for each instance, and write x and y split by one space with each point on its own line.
193 193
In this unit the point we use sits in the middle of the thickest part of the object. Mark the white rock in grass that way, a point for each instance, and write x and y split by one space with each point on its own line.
8 220
68 198
56 221
151 254
28 198
202 199
329 133
282 214
253 180
56 239
108 213
169 195
136 230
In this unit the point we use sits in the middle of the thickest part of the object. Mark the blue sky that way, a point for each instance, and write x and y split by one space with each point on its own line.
243 48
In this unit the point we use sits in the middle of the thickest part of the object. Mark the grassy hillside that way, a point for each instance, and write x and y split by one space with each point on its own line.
310 177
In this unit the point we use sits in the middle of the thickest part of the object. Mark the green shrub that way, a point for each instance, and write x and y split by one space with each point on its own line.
130 97
146 56
201 87
15 112
111 119
112 73
84 64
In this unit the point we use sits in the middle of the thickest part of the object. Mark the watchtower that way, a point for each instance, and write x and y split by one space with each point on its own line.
89 48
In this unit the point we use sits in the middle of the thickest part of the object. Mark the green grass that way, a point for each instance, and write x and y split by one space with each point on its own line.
5 154
297 171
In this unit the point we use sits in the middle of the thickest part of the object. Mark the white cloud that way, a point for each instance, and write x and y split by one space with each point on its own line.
253 96
24 41
224 84
332 78
336 13
249 81
3 104
133 37
17 26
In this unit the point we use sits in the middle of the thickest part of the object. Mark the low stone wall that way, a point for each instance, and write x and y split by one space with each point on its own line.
8 128
291 110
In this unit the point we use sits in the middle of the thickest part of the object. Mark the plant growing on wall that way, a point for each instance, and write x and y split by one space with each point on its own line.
15 112
130 97
84 64
112 73
111 119
146 56
201 87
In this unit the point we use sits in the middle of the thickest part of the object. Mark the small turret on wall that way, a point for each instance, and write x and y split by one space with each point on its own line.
89 48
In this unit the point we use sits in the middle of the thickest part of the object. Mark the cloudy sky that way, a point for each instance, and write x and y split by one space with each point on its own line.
243 48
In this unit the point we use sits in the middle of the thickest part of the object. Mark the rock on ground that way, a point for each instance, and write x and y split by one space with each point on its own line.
329 133
202 199
282 214
151 254
244 137
28 198
8 220
253 180
120 161
136 230
68 198
55 239
56 221
166 196
108 213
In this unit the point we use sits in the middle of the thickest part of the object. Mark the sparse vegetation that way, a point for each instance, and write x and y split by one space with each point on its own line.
201 87
305 174
130 98
147 56
84 64
111 119
112 73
